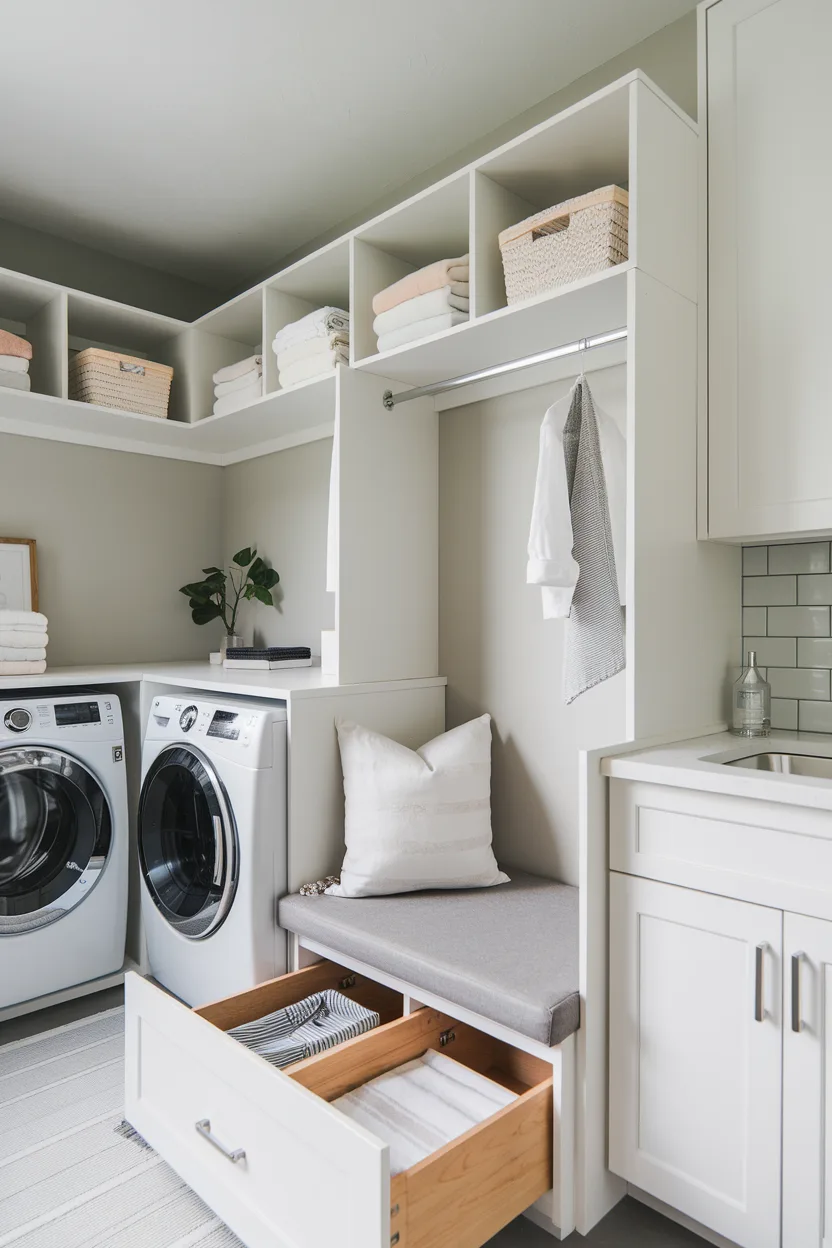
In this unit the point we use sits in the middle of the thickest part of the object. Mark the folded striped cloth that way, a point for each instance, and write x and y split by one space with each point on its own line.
311 1026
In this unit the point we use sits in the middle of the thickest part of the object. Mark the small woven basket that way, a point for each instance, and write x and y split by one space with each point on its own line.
564 243
108 379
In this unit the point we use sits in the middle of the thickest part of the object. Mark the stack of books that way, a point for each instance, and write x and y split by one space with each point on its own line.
268 659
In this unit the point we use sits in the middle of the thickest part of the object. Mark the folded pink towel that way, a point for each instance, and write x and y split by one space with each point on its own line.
33 668
10 344
432 277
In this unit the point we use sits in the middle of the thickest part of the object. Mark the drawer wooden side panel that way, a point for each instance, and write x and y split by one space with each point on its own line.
310 1178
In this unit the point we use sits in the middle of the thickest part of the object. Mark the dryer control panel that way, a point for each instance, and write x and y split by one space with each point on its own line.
81 716
235 729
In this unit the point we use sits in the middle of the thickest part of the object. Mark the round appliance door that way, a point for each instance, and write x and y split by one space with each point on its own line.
188 845
55 836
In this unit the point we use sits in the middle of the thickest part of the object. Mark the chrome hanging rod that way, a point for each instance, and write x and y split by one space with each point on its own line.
390 399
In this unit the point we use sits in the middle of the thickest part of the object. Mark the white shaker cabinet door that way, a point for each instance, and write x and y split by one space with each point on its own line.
807 1084
769 104
695 1054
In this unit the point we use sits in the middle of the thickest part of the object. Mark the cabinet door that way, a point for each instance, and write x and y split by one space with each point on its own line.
695 1054
807 1091
769 101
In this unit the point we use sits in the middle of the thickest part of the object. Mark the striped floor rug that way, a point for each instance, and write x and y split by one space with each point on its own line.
68 1176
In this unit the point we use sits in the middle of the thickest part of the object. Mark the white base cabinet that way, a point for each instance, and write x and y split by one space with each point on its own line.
807 1084
695 1054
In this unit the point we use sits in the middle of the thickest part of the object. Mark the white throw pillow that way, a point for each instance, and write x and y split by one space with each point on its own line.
417 819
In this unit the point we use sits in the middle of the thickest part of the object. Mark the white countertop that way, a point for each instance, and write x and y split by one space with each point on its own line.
700 764
285 684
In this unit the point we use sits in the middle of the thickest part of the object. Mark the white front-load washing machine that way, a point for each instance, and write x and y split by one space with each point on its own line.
63 842
212 844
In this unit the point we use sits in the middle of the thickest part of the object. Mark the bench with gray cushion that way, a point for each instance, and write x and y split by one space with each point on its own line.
509 953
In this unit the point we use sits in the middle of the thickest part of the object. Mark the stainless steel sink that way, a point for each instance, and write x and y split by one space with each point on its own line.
787 764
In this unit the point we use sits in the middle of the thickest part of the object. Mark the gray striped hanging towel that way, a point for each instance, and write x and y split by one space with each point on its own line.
595 627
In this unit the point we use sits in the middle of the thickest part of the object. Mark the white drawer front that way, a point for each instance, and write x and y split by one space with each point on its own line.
310 1177
773 855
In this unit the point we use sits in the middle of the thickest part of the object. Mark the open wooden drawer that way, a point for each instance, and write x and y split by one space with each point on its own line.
284 1168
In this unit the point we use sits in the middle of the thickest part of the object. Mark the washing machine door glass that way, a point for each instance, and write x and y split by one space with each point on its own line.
55 836
188 844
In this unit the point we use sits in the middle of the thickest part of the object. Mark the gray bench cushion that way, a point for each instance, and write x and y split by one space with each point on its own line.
509 953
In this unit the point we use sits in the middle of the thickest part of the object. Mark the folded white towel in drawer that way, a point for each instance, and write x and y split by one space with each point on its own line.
434 303
308 1027
423 1105
232 371
14 364
21 638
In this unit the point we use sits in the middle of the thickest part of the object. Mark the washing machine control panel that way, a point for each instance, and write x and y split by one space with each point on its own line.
76 716
230 729
18 719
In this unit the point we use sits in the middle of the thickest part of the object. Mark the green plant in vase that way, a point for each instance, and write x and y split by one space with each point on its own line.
219 595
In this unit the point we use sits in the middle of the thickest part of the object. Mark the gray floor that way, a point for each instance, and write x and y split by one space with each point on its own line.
630 1225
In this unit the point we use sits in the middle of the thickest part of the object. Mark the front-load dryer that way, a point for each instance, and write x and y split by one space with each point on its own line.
212 844
63 843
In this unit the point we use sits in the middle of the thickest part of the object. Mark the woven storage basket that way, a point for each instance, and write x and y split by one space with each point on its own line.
564 243
108 379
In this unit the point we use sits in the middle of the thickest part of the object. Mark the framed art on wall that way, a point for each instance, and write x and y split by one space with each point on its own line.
18 574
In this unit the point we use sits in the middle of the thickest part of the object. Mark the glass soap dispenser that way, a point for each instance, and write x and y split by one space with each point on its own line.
751 707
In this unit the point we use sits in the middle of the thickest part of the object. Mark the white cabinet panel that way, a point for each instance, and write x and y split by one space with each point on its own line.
807 1095
769 100
695 1054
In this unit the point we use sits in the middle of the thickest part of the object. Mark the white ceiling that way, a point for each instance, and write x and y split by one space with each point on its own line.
211 137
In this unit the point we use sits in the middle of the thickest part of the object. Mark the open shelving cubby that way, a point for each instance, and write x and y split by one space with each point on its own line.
36 310
431 226
317 281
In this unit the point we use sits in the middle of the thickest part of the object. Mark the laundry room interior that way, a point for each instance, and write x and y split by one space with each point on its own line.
415 625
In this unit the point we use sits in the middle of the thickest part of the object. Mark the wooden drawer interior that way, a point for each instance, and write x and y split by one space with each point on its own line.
467 1191
276 994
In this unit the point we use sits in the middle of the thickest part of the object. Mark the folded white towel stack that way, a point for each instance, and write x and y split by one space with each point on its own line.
23 642
15 354
238 384
426 302
313 346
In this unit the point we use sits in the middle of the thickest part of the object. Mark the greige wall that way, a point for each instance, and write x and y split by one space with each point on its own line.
70 264
279 503
495 648
117 535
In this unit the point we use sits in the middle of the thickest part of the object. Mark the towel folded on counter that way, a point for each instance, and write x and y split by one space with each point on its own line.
423 1105
21 639
10 344
318 324
432 277
15 381
27 620
421 329
22 654
33 668
308 1027
232 372
240 398
239 383
312 348
14 364
435 303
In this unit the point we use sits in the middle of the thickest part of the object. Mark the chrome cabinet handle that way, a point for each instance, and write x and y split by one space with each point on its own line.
797 1021
233 1154
759 1008
219 854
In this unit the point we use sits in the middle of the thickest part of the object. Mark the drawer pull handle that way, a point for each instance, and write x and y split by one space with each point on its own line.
759 1007
797 1021
233 1154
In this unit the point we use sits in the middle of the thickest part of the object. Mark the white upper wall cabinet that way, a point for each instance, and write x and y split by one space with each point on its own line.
768 94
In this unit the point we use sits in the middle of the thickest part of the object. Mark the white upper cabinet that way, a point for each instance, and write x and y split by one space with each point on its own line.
769 104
